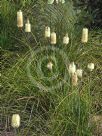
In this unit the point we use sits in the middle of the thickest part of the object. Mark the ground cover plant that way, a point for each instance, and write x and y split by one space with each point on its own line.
46 100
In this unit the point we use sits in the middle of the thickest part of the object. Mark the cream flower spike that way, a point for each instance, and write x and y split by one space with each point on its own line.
79 73
91 66
50 1
15 122
72 68
50 65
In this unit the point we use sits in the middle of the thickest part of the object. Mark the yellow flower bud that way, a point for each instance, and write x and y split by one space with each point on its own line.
53 38
91 66
66 39
47 32
50 65
28 26
79 73
15 122
84 35
72 68
19 19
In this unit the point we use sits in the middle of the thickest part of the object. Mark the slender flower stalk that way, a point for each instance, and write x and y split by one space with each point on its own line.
74 79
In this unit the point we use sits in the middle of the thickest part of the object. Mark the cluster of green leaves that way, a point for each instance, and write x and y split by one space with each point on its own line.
91 12
8 29
63 111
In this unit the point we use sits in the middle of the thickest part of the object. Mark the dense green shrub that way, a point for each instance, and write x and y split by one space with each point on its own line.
91 12
62 111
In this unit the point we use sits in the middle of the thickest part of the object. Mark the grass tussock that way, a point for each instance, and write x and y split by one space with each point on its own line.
47 101
61 111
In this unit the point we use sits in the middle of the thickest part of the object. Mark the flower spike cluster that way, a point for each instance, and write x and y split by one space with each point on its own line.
48 33
20 22
77 73
53 36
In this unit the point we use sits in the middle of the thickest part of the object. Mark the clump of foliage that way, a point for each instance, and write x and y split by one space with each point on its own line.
61 111
40 15
8 29
91 12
